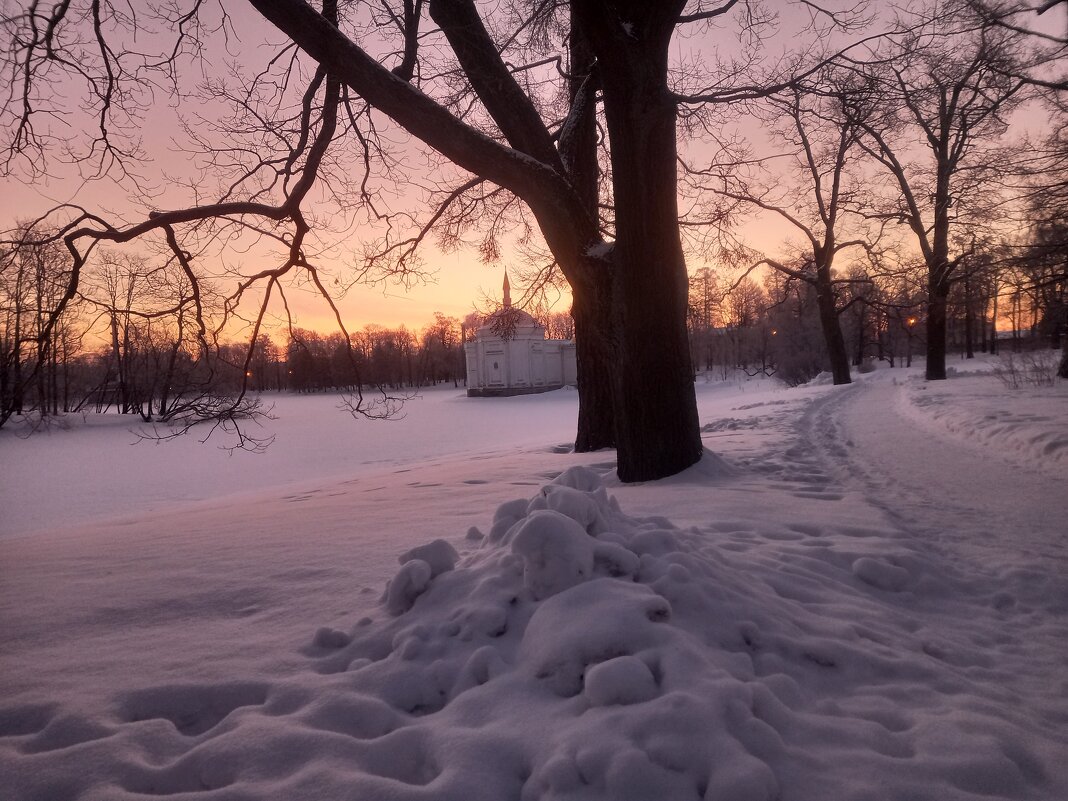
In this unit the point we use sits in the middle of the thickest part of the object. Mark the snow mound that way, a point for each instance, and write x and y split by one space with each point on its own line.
575 653
1028 426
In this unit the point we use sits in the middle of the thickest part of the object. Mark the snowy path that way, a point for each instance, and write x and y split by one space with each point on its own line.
991 529
967 497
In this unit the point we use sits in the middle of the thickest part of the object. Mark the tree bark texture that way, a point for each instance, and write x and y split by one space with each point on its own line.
657 431
937 301
595 353
592 302
831 326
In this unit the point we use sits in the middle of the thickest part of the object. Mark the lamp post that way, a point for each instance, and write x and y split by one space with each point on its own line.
909 323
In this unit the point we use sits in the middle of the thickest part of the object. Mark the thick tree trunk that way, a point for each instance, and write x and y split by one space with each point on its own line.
984 331
858 359
595 353
657 429
591 307
969 321
938 274
938 294
832 328
994 324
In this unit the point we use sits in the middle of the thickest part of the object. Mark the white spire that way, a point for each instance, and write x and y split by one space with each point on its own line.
507 292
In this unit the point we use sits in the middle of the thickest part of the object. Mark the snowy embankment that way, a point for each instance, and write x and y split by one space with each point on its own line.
1028 426
790 621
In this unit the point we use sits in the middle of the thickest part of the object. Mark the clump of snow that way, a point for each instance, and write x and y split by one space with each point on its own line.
439 555
623 680
556 551
585 653
327 637
880 573
410 582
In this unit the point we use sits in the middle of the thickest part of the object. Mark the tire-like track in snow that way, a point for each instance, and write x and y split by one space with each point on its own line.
963 498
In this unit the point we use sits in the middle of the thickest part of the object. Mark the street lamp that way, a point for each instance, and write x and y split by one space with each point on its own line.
911 321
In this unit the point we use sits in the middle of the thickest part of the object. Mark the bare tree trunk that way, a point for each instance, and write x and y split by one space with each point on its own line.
591 309
16 365
594 351
858 359
55 381
938 294
993 323
168 376
984 331
969 320
657 431
832 331
120 371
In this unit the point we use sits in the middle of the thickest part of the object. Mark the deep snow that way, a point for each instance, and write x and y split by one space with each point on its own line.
862 594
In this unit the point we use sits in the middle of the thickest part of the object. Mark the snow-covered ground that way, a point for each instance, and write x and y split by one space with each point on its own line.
860 593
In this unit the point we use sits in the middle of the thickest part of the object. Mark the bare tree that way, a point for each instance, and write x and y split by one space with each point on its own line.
704 306
513 99
1034 24
36 334
818 132
944 90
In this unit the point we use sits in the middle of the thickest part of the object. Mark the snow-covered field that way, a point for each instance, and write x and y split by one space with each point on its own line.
860 593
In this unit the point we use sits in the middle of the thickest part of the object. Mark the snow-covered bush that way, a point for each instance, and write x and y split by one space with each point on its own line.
1037 368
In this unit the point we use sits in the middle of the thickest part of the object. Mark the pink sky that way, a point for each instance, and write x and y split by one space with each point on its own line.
456 280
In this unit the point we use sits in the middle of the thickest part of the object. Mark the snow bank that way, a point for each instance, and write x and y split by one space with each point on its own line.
578 653
1027 426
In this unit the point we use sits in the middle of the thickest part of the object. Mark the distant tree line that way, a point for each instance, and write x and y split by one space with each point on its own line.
774 327
133 346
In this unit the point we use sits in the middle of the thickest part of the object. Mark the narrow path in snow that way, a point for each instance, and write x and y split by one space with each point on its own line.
991 534
952 493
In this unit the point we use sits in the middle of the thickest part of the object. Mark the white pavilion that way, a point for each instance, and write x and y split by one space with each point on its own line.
509 355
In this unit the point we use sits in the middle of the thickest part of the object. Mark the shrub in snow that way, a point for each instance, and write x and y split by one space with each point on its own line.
798 358
1035 367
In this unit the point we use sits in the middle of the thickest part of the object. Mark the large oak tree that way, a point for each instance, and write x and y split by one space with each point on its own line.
526 98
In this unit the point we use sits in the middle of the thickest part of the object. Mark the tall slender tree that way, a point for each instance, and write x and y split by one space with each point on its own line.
938 102
819 136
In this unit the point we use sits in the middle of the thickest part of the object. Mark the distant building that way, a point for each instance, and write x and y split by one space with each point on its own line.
509 355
